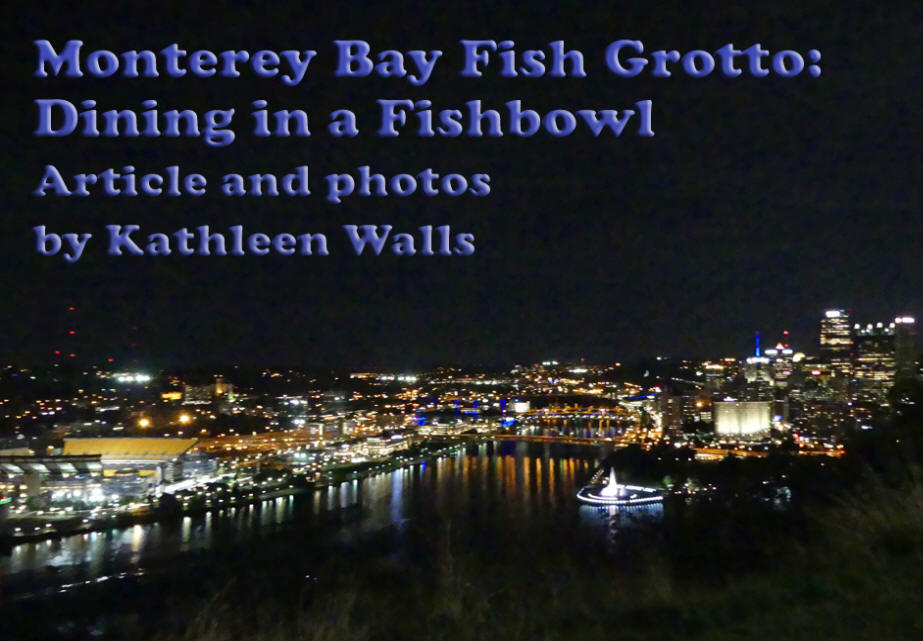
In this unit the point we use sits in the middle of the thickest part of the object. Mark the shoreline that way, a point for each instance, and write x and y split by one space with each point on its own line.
79 524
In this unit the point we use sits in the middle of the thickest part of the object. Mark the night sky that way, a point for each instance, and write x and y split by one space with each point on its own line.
758 203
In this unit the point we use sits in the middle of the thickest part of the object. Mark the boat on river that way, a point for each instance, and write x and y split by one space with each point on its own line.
613 493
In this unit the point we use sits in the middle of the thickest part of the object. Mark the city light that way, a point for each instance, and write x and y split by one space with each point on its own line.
132 378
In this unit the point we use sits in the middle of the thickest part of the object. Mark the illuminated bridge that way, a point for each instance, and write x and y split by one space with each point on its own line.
575 412
707 453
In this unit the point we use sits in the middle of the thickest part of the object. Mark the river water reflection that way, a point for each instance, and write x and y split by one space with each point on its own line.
486 490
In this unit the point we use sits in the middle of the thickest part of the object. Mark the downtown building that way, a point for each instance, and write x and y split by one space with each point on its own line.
742 419
885 353
874 364
861 362
836 344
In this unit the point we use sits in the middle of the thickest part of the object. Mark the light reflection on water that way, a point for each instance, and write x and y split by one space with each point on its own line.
511 482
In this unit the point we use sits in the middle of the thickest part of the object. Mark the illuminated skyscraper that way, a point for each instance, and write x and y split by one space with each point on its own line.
905 352
884 353
782 359
836 341
874 361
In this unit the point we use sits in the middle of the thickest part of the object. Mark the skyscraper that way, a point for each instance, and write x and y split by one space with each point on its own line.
781 359
836 341
874 361
884 354
905 353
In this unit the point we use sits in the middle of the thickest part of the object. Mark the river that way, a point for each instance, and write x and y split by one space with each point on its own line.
487 492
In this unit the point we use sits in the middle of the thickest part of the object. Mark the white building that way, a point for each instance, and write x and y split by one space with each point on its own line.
742 418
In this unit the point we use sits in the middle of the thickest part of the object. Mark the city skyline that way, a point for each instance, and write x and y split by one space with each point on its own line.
133 348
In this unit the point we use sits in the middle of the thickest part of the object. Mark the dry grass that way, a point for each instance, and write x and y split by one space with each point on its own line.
862 579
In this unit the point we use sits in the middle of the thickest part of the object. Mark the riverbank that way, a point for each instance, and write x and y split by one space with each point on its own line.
40 528
47 527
